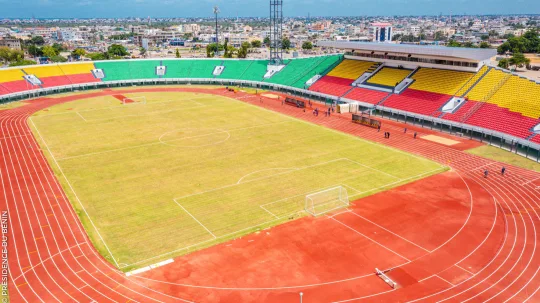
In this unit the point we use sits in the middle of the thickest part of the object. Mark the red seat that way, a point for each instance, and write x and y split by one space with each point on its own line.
334 86
3 90
366 95
18 86
82 78
416 101
55 81
501 119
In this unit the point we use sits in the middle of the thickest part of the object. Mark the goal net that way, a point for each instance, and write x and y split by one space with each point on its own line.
134 100
327 200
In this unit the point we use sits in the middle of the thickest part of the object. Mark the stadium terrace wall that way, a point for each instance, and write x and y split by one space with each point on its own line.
516 145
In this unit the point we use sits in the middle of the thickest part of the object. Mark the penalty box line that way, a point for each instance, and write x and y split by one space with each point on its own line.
206 228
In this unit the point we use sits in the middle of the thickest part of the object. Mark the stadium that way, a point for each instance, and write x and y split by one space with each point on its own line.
337 178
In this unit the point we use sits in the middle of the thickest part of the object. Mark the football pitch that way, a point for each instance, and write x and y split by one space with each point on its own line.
186 171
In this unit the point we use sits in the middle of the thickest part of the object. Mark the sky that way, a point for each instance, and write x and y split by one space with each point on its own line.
257 8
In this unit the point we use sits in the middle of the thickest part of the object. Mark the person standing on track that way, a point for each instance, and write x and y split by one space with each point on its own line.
486 173
415 134
503 170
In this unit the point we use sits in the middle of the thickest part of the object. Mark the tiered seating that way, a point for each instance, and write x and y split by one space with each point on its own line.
440 81
465 88
255 72
177 68
415 101
298 69
501 119
317 70
353 69
234 69
389 76
519 95
12 81
536 139
486 85
143 69
79 72
50 75
461 113
203 68
366 95
115 70
334 86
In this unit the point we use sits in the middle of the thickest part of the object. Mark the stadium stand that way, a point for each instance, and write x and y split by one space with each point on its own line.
320 69
503 120
298 69
79 73
143 69
366 95
234 69
12 81
353 69
415 101
334 86
389 76
467 87
440 81
114 70
177 68
51 75
203 68
255 71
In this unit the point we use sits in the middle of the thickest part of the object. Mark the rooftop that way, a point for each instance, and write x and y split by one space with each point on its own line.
475 54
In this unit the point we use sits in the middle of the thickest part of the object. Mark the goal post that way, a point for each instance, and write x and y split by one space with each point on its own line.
327 200
134 100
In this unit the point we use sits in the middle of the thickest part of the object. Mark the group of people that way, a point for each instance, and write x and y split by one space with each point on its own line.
327 113
486 172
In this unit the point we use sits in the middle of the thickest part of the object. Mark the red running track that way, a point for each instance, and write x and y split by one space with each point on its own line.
488 252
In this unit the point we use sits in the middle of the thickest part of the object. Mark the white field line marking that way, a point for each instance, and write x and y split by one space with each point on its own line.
73 191
220 131
267 169
441 169
268 211
210 240
377 170
79 114
444 280
195 218
154 143
464 269
45 260
150 267
359 216
257 179
354 230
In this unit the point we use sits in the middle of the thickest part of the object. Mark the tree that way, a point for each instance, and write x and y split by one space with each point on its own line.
58 47
49 51
519 60
78 53
98 56
178 54
34 51
469 44
226 49
307 45
514 44
485 44
256 43
58 58
211 50
142 51
484 37
397 37
285 43
453 43
504 63
23 62
5 54
439 36
266 41
243 50
117 50
38 40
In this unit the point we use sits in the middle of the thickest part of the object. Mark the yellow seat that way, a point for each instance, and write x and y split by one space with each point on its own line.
440 81
9 75
352 69
44 71
75 69
388 76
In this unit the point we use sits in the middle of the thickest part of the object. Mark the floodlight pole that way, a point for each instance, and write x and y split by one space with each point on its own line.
276 32
216 12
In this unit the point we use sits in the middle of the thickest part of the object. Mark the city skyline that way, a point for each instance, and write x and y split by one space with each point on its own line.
257 8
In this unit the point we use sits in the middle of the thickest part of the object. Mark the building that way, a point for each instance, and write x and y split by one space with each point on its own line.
381 32
11 43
